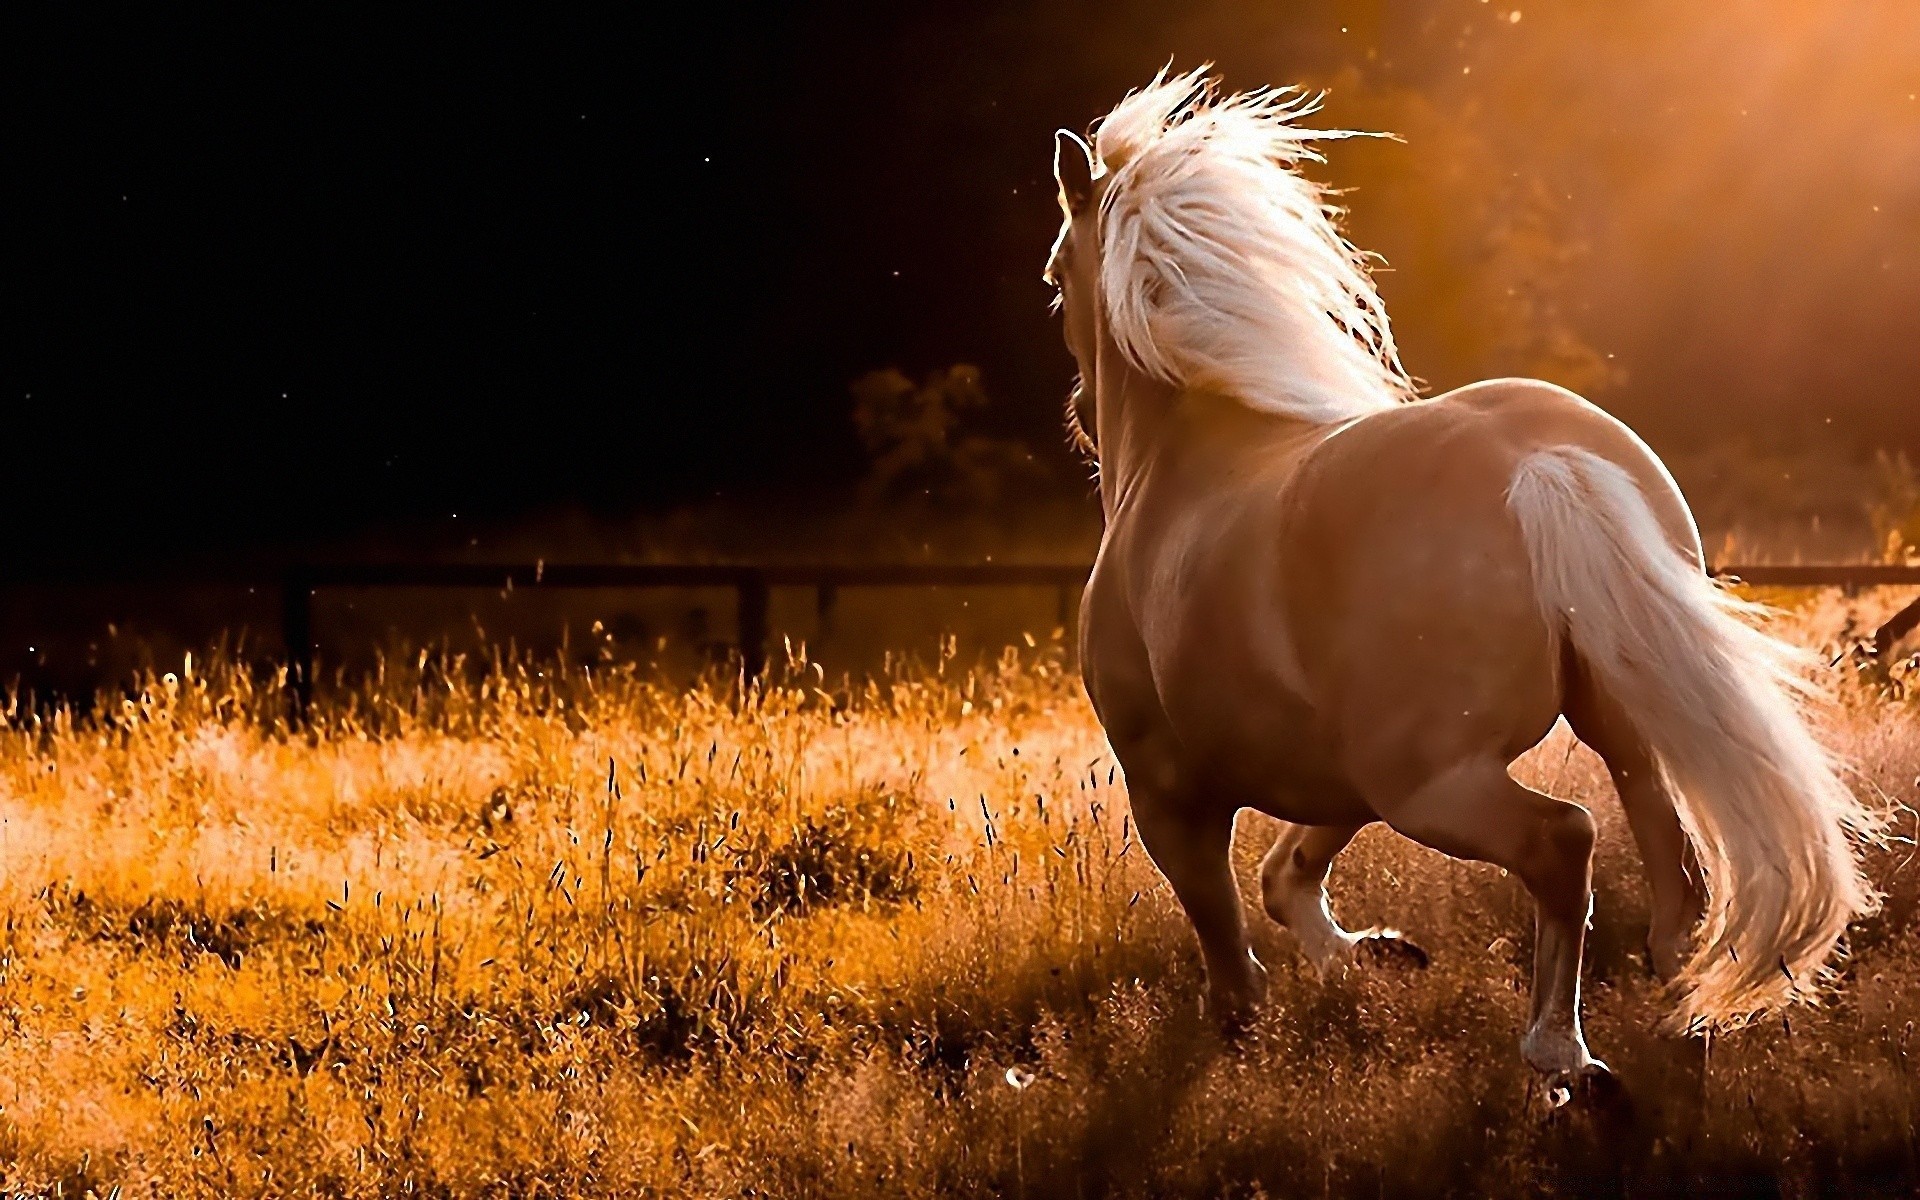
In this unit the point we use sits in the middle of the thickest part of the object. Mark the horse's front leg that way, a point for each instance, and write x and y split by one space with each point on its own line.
1185 826
1190 841
1293 884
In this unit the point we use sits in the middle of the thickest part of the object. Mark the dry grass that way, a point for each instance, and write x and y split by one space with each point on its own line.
513 930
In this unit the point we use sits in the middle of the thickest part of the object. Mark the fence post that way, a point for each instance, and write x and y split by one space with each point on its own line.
752 590
296 631
825 597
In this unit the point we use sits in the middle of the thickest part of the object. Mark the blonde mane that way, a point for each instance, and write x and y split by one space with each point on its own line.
1223 267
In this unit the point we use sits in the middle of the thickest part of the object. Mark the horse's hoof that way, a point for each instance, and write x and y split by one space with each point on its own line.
1233 1008
1232 1018
1387 948
1234 1025
1593 1086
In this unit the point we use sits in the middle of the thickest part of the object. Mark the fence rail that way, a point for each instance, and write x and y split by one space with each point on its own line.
752 585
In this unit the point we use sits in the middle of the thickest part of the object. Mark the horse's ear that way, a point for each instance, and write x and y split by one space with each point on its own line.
1073 170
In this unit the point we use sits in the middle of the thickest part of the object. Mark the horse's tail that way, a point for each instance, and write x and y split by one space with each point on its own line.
1719 704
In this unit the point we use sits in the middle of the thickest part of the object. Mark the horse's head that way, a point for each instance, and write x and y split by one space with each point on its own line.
1073 269
1197 255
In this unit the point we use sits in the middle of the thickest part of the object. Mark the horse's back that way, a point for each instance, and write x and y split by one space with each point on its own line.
1432 477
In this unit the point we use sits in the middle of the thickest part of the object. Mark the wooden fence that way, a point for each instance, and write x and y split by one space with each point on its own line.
753 584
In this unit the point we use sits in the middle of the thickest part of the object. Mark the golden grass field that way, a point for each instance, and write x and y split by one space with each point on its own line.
515 929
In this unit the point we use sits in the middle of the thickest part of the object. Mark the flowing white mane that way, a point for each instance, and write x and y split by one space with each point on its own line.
1222 265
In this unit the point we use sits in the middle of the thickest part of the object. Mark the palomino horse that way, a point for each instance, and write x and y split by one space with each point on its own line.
1323 599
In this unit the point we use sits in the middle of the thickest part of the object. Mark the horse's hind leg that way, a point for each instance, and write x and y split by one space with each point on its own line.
1474 809
1673 873
1193 850
1293 885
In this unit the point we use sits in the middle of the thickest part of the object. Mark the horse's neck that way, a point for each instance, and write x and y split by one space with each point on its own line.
1132 412
1141 422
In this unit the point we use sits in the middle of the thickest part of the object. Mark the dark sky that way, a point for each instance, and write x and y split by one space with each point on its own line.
272 280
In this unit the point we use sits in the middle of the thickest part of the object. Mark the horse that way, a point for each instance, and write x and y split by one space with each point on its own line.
1322 597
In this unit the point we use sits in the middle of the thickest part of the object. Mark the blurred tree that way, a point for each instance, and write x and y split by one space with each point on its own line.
1895 508
914 437
1484 258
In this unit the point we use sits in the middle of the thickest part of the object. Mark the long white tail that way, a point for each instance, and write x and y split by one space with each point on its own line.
1719 703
